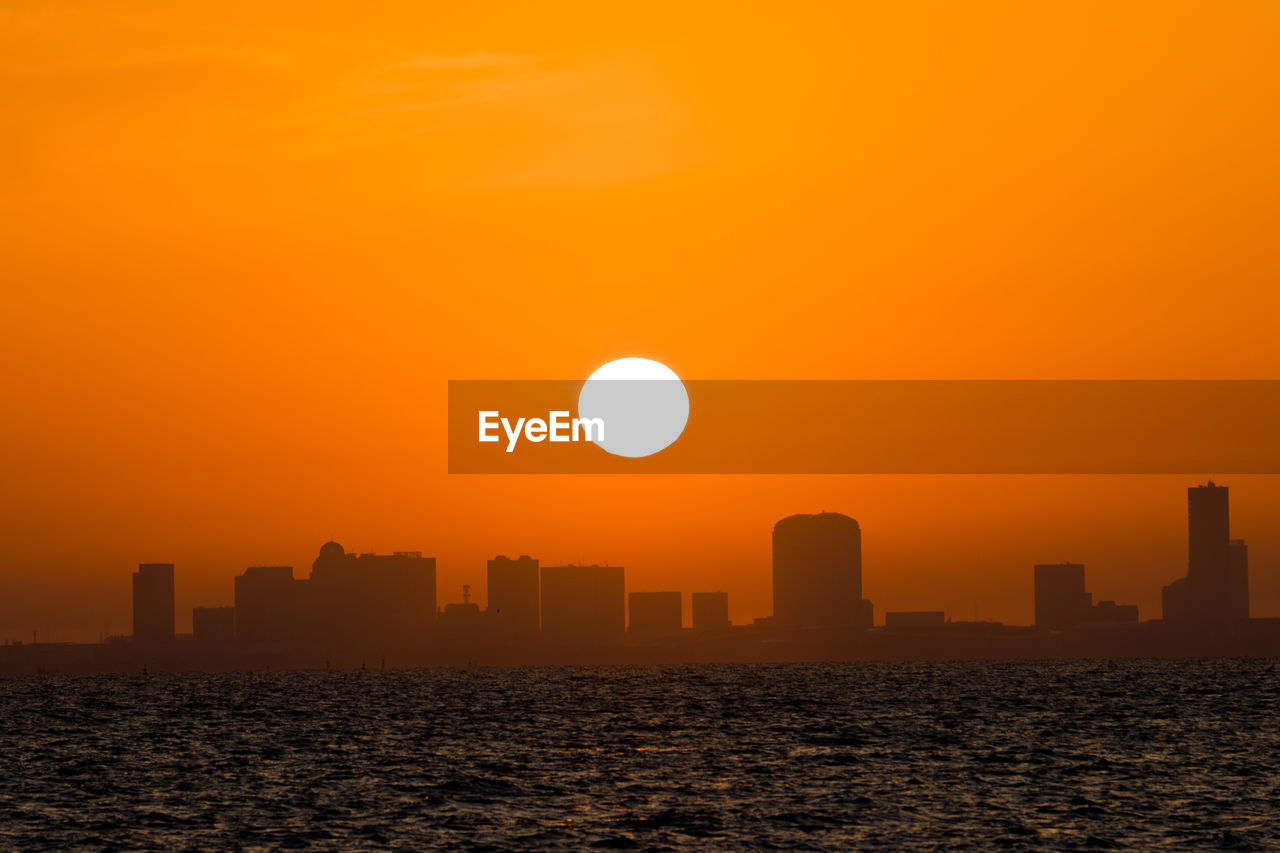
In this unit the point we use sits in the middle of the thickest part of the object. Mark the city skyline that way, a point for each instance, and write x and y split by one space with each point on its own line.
920 345
217 355
817 576
1132 554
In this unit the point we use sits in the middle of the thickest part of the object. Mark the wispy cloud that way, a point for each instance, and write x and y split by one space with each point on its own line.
275 98
437 84
478 60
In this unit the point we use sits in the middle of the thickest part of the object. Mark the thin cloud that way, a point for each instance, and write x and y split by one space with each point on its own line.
462 62
434 82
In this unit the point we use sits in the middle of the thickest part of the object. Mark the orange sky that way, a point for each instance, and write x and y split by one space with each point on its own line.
243 250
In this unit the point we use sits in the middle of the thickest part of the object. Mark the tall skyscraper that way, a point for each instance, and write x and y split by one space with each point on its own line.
1216 586
153 603
817 572
710 611
654 612
1208 531
1061 600
583 603
513 594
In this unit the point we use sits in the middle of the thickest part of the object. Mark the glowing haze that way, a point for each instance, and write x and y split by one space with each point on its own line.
242 250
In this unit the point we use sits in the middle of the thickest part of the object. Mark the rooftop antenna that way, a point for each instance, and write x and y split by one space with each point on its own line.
466 593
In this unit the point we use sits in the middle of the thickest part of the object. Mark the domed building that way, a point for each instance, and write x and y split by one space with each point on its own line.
330 549
349 601
362 597
332 557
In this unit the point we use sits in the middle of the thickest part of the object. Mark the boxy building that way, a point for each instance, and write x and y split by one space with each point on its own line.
513 595
213 624
153 603
654 612
583 603
710 611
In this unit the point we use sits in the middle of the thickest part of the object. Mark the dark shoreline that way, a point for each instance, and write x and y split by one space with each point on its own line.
970 641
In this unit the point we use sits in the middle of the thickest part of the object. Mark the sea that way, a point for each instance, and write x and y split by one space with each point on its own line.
1044 755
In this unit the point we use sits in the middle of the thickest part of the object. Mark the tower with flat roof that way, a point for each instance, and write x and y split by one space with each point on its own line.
1061 600
269 605
1216 586
153 603
710 610
583 603
513 594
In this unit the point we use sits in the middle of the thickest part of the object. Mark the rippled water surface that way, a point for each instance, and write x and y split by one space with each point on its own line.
1046 755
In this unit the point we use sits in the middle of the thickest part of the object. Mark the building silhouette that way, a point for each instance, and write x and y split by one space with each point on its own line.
1216 586
1237 596
213 624
1109 611
1061 600
363 598
359 607
817 572
153 603
349 600
513 594
710 611
462 617
583 603
269 604
905 619
356 606
654 612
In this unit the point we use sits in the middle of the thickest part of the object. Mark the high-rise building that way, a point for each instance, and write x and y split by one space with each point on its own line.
654 612
583 603
370 598
1061 600
153 603
213 624
1216 586
817 572
1208 531
513 594
269 605
349 599
710 611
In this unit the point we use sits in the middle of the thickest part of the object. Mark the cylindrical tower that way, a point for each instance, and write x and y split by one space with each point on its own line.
817 571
